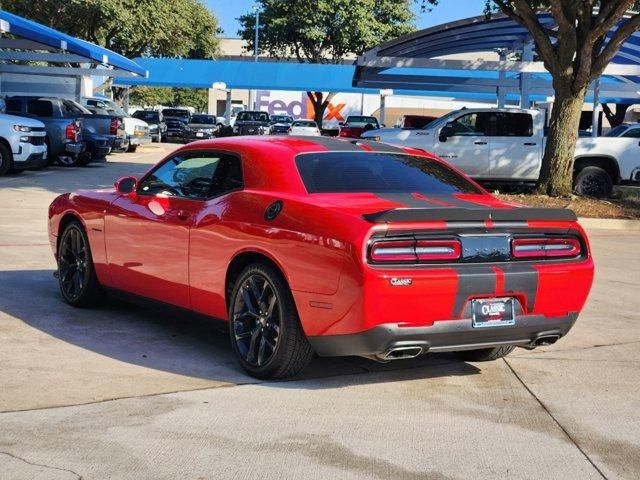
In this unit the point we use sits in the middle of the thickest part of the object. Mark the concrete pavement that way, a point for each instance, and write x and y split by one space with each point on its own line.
124 392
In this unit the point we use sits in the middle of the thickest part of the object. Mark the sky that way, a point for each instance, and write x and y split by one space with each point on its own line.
227 11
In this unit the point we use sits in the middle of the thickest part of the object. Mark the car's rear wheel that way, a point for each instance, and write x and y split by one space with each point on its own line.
593 182
264 327
76 274
486 354
5 160
68 160
132 148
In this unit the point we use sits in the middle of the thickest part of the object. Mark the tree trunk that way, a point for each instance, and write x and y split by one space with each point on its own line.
556 174
320 104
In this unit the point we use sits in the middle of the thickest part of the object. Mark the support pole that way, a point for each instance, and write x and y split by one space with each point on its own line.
125 101
595 119
78 92
502 91
382 107
227 107
527 56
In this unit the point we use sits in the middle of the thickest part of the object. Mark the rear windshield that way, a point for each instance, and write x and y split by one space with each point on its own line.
205 119
304 123
350 172
172 112
355 121
147 115
253 117
281 119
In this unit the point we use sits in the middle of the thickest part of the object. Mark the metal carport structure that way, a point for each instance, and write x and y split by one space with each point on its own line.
25 45
414 62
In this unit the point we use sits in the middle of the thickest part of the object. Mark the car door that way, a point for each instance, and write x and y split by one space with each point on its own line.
147 233
514 150
468 146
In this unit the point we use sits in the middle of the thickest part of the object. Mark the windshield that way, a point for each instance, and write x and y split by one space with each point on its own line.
147 115
617 131
253 117
205 119
175 112
351 172
281 119
361 121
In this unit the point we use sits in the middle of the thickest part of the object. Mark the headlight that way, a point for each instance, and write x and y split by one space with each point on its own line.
208 130
140 128
22 128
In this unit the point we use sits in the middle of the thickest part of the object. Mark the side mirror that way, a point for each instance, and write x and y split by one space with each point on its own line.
126 185
446 132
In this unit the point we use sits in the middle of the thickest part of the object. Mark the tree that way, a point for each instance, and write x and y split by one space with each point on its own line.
325 31
615 118
133 28
175 97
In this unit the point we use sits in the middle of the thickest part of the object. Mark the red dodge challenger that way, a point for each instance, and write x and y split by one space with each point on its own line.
335 247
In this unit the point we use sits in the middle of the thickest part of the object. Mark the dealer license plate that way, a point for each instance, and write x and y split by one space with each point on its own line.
199 134
492 312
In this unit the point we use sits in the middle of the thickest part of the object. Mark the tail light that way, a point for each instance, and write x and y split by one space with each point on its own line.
115 125
545 247
342 133
414 251
71 132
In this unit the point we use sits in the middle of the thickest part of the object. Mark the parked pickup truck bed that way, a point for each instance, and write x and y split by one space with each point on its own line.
73 134
506 145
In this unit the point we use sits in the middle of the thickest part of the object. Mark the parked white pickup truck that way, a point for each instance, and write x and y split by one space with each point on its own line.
22 142
506 145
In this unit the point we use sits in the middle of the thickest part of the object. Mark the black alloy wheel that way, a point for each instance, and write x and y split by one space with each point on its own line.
265 331
76 276
5 160
593 182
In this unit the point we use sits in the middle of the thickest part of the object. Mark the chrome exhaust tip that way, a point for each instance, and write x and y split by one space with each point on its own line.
544 340
401 353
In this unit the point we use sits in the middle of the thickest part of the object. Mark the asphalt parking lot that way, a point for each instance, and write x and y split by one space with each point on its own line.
124 392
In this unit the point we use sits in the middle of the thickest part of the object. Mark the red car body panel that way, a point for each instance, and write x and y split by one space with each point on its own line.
179 251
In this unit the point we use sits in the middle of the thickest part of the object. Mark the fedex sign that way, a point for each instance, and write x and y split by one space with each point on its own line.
298 105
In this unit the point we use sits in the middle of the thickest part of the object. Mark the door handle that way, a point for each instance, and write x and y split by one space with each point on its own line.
183 215
530 143
480 143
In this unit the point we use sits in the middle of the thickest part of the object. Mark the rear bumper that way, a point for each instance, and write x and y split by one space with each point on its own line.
443 336
74 148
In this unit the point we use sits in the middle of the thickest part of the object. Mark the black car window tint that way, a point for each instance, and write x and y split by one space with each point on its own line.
182 176
353 172
227 177
471 124
13 105
40 108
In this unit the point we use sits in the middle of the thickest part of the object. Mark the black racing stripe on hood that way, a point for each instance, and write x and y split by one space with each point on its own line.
521 278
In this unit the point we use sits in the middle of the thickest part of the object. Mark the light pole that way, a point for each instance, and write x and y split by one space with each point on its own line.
256 9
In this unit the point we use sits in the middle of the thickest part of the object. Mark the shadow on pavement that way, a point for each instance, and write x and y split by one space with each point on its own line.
184 344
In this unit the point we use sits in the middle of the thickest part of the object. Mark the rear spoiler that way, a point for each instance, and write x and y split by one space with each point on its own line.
470 215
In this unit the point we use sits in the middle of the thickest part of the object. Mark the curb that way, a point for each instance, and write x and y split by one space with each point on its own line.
609 224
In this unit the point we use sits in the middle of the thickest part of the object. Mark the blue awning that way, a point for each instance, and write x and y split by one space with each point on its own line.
21 27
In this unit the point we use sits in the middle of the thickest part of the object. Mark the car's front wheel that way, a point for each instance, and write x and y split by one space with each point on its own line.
593 182
76 274
264 327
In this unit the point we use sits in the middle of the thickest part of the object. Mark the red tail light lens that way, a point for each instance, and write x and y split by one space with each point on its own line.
545 247
115 123
437 250
412 251
71 132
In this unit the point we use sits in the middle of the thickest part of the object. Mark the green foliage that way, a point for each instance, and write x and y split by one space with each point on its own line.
174 97
133 28
325 31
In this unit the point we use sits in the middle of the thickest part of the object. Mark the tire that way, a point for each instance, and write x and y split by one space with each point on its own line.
264 327
132 148
76 274
486 354
593 182
68 160
6 161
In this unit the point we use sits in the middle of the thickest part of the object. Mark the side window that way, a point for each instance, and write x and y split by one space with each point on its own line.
197 176
40 108
632 133
13 105
511 125
471 124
